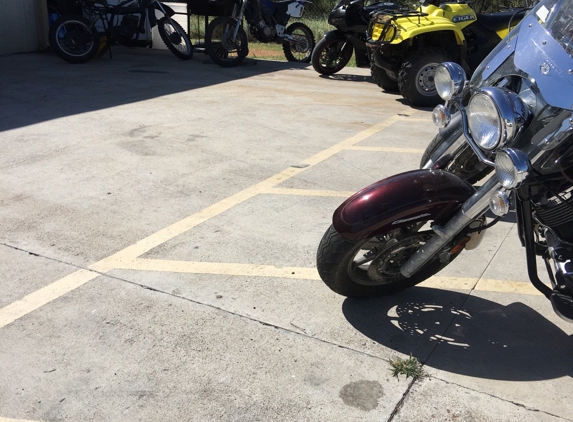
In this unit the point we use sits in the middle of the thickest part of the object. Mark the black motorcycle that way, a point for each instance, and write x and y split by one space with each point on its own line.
226 40
350 17
518 123
77 38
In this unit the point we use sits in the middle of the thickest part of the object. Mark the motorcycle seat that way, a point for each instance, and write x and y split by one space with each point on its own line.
500 20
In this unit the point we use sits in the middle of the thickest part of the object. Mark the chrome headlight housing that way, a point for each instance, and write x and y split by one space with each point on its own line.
512 167
449 79
495 117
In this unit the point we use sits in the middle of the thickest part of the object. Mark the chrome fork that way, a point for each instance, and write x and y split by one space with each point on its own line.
475 206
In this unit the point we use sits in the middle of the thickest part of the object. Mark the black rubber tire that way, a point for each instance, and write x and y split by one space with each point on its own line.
73 40
330 55
175 38
334 260
220 50
466 165
416 77
300 51
382 79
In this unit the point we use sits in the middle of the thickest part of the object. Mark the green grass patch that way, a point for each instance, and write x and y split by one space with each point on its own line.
410 367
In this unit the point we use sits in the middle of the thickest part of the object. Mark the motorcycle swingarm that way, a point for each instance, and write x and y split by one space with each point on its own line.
399 201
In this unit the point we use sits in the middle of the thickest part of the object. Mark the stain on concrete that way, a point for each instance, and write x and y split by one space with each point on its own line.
363 395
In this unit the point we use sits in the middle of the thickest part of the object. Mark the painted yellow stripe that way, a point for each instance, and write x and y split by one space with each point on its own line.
453 283
45 295
388 149
15 420
220 268
506 286
39 298
305 273
309 192
162 236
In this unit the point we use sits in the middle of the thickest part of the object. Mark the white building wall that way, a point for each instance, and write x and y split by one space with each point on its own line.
23 26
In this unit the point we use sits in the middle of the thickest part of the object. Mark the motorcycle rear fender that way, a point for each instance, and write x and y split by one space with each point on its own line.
399 201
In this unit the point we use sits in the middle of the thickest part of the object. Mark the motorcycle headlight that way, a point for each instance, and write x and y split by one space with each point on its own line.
511 167
495 117
449 79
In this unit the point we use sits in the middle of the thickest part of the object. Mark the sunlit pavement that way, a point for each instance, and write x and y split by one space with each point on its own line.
159 224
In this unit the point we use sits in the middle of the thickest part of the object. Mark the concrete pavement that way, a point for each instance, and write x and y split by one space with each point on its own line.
159 221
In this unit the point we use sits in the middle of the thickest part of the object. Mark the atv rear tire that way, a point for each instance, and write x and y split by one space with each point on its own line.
382 79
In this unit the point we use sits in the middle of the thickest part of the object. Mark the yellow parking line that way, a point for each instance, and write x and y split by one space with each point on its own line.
506 286
51 292
39 298
15 420
388 149
310 192
221 268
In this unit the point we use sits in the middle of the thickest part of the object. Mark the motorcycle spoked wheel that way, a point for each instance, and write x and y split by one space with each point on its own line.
74 39
466 165
175 38
220 45
416 77
371 267
331 55
382 79
300 49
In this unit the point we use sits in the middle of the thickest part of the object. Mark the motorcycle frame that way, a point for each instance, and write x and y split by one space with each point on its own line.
106 14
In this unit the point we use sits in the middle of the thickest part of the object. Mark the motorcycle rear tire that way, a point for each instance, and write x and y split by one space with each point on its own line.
336 266
331 55
416 77
301 50
466 165
175 38
382 79
221 48
74 39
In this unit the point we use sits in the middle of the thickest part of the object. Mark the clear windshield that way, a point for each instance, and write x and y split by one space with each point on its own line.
542 47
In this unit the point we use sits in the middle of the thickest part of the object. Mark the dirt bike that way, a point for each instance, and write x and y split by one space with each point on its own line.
518 122
350 17
226 40
78 38
406 46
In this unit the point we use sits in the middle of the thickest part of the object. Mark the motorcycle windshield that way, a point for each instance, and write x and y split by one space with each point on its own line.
541 46
544 50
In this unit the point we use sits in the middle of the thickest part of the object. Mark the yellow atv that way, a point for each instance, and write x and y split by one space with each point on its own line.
405 46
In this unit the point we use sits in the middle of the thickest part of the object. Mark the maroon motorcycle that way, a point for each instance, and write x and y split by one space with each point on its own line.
518 125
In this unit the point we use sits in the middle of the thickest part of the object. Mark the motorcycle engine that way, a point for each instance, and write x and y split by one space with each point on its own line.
263 31
127 27
557 213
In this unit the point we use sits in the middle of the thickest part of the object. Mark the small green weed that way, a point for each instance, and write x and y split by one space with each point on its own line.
410 367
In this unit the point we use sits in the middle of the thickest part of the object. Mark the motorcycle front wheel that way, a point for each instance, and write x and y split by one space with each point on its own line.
222 48
74 39
331 55
300 47
175 38
371 267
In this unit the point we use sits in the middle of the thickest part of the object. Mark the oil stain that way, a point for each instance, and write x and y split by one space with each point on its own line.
363 395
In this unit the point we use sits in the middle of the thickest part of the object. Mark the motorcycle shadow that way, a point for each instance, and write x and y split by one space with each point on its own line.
468 335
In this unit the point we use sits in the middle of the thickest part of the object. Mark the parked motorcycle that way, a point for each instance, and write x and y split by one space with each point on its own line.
407 45
350 17
79 38
226 40
519 124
